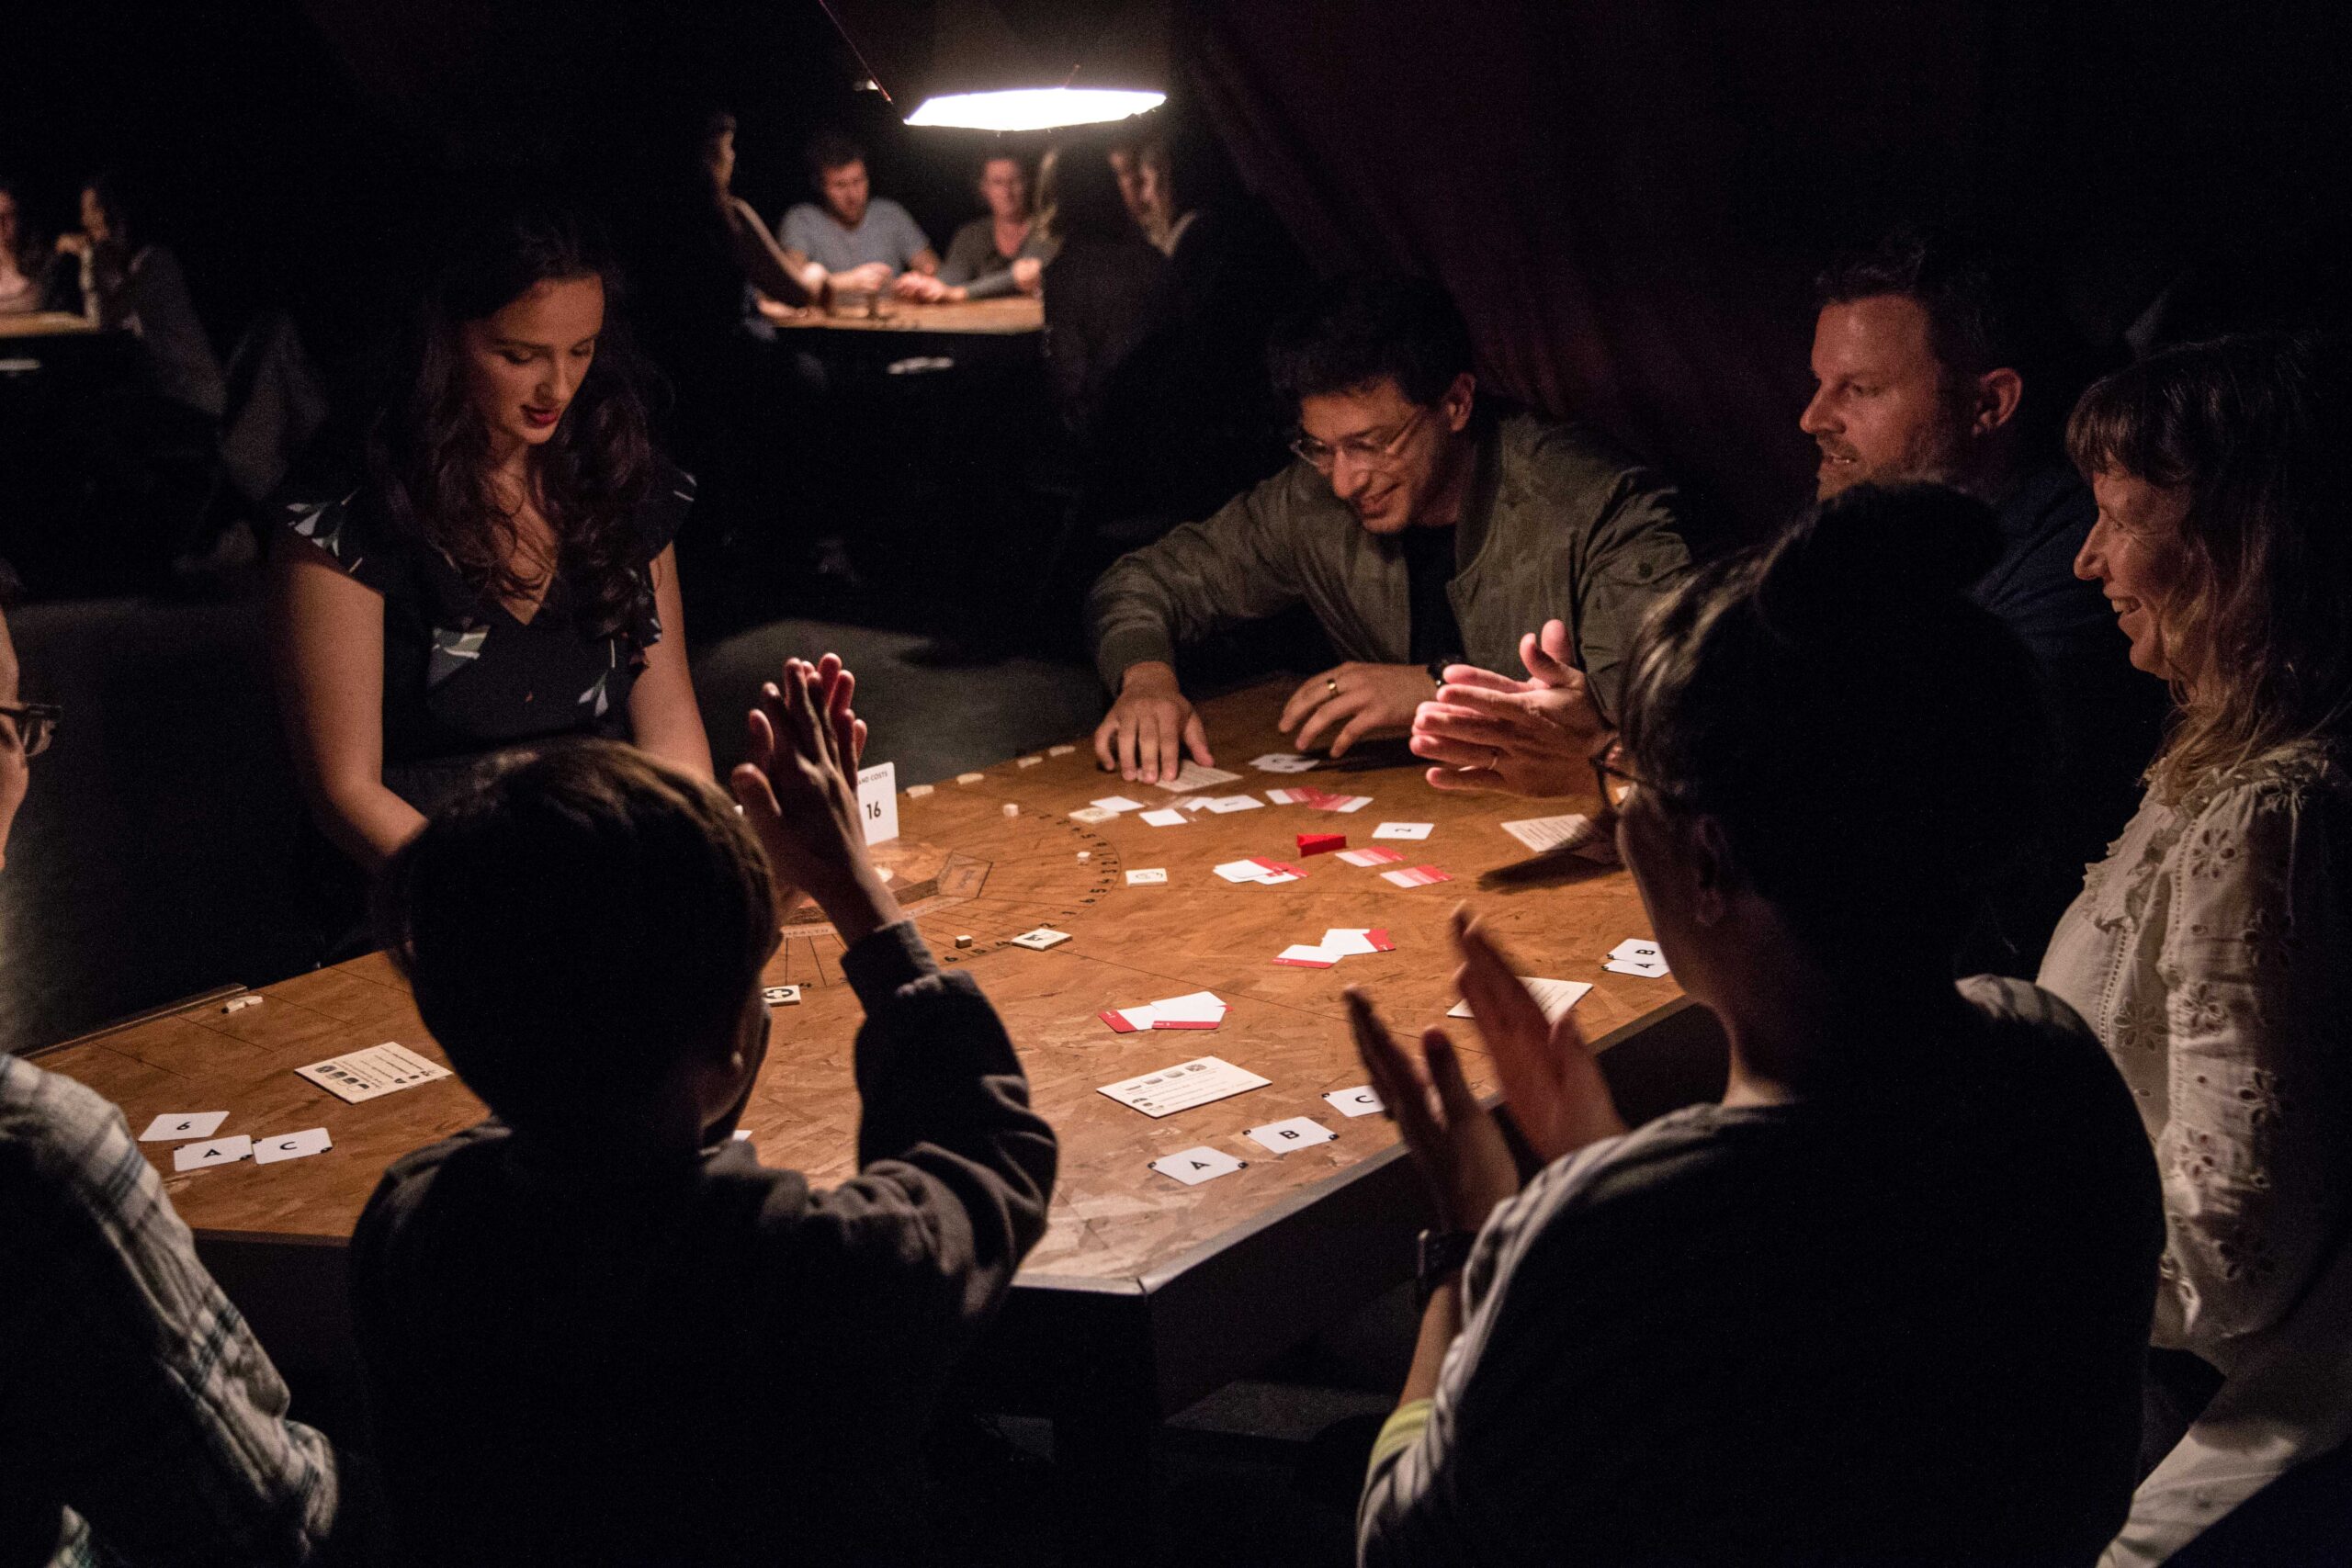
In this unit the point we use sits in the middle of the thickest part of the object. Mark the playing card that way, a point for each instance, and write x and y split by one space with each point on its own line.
1357 1101
781 996
1296 1133
179 1126
383 1069
220 1151
1193 1166
1192 776
1164 817
1114 804
1416 876
1183 1086
1554 997
291 1145
1372 856
1354 940
1041 939
1300 955
1153 877
1227 804
1282 763
877 802
1646 971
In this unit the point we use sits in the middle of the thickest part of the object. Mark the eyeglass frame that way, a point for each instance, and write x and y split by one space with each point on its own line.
36 723
1373 454
1605 769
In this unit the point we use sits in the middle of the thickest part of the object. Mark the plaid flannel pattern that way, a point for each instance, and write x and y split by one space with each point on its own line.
132 1395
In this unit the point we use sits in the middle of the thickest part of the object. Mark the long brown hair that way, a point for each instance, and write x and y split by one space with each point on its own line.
428 452
2258 429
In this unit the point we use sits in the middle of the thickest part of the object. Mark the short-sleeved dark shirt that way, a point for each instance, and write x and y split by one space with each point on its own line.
462 675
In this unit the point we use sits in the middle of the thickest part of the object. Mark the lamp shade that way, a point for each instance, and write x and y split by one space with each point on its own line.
1012 65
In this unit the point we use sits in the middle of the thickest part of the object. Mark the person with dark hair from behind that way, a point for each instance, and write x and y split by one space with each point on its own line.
1107 292
1422 524
131 283
855 242
1004 252
141 1422
595 1328
2212 948
1884 1302
503 571
775 273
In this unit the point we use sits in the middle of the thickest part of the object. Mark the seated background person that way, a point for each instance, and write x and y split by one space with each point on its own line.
503 571
857 241
596 1329
138 1417
1108 293
1883 1304
1004 252
1421 526
132 284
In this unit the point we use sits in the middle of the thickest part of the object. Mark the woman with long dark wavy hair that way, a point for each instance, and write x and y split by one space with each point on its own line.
502 573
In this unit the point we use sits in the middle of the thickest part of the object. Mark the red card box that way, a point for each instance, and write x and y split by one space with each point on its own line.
1321 843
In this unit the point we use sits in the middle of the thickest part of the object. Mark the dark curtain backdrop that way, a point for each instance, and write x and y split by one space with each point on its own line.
1629 196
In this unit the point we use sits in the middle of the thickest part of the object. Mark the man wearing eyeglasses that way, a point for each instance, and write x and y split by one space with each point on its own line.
150 1426
1421 526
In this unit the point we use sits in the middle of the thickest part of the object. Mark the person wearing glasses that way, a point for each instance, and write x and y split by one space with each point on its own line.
151 1427
1423 526
1884 1302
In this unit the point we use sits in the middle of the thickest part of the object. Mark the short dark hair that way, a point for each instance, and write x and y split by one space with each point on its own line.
830 150
1980 316
1849 650
1362 330
573 925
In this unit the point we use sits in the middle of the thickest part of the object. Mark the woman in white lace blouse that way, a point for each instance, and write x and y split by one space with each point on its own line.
2212 949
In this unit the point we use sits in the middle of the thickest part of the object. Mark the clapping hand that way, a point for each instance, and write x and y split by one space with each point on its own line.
1549 1078
1455 1143
798 795
1491 733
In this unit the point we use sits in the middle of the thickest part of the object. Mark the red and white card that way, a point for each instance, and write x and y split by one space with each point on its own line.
1416 876
1374 855
1195 1010
1351 940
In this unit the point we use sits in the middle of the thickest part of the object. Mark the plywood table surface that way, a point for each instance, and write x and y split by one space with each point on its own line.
963 868
1173 1288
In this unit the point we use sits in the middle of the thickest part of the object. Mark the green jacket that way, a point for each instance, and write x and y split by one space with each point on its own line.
1558 525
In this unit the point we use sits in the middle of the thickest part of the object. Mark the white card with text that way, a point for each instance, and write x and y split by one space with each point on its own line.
877 802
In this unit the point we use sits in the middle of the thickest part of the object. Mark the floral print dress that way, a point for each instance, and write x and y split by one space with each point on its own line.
2212 951
463 677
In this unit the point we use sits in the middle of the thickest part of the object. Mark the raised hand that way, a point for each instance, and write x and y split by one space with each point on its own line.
1360 699
1491 733
1456 1146
797 794
1550 1081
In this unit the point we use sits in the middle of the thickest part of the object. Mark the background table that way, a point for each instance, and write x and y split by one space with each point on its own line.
1145 1295
44 323
990 318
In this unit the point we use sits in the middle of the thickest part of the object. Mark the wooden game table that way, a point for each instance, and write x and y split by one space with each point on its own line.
1009 317
44 323
1145 1294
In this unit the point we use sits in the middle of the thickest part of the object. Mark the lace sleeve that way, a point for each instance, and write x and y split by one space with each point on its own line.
2252 965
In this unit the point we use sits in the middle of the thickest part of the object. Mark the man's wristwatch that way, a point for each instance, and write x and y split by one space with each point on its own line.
1442 1255
1436 667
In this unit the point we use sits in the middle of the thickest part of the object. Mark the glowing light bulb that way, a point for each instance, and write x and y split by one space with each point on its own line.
1035 109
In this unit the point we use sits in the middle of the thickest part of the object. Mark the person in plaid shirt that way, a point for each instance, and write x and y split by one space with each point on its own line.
140 1420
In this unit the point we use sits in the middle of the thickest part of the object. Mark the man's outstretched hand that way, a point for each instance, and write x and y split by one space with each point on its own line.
1146 734
1489 733
798 796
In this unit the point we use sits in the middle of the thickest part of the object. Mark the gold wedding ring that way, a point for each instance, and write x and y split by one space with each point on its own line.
1332 682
